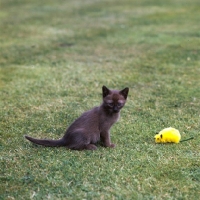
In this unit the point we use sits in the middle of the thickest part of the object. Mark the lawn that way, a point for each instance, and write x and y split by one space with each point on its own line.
54 58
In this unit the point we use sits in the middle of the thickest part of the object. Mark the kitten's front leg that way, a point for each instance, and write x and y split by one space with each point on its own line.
105 138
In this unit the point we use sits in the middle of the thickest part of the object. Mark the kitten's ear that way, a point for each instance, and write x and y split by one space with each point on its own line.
105 91
124 92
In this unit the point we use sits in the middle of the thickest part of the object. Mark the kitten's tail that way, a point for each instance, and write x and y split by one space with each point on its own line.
47 143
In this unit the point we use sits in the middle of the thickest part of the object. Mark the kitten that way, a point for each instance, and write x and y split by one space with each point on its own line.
92 126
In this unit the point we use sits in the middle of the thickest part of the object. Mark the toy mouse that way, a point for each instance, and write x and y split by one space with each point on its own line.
169 135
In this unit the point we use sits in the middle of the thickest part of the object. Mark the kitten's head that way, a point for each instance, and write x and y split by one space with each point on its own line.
114 100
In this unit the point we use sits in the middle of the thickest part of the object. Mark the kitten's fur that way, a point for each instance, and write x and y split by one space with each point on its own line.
93 125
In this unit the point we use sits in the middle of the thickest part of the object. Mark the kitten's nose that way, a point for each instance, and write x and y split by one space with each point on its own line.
115 109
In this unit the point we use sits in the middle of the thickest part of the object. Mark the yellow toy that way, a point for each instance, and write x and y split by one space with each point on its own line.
169 135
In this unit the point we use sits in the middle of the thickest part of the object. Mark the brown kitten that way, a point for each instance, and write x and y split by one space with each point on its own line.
93 125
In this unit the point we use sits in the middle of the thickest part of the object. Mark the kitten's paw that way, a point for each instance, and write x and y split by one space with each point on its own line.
112 145
90 147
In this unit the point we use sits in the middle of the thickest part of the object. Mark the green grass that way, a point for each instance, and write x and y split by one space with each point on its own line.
54 58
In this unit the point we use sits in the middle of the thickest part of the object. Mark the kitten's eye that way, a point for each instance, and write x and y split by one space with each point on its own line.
111 104
119 104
